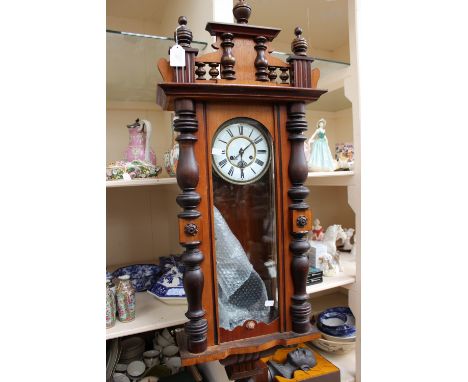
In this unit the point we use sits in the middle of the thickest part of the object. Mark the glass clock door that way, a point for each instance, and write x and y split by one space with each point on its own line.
245 225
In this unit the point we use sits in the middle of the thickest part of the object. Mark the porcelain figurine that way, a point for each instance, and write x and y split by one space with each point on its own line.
110 305
139 142
299 359
317 231
125 299
320 158
331 264
347 246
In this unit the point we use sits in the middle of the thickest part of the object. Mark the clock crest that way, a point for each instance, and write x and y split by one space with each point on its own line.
241 169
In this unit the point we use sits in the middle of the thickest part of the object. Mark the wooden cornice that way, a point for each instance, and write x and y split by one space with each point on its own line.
168 92
242 30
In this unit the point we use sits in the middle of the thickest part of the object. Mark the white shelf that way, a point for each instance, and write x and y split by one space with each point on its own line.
335 178
346 278
151 314
332 178
140 182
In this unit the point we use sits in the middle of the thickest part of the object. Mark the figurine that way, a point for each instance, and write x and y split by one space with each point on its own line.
331 263
347 246
299 359
139 142
321 158
317 231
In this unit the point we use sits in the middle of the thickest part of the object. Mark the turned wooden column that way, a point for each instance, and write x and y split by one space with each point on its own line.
189 224
261 63
300 217
227 59
185 74
301 64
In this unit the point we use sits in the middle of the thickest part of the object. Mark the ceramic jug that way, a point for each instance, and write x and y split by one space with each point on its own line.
139 142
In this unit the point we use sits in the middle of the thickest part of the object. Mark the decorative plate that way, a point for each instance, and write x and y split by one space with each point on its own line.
338 322
170 288
142 276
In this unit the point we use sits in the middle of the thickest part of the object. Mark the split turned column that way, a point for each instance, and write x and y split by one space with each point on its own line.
300 217
189 224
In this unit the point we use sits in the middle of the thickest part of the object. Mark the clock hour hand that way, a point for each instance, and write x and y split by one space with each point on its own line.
242 151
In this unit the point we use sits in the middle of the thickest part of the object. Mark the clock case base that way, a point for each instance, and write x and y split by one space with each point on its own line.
264 345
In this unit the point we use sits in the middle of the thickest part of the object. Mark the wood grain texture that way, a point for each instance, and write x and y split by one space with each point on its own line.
217 114
251 345
187 177
167 92
297 171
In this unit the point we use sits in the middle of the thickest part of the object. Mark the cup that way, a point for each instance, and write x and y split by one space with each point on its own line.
151 358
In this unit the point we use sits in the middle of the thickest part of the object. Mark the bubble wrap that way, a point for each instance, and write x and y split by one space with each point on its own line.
241 291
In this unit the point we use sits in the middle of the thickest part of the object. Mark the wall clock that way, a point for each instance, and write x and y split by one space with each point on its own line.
243 222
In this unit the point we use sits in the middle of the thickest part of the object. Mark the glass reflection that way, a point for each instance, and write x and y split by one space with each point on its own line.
246 258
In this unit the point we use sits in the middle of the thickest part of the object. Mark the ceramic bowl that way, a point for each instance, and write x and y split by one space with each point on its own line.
136 369
170 351
142 276
338 322
351 338
119 377
334 347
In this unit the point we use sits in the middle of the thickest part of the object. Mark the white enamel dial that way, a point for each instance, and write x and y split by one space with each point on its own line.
240 152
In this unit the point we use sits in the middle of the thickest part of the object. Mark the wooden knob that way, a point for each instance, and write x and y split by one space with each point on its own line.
241 12
299 45
184 34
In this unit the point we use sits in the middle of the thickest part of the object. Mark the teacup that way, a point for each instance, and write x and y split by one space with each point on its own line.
151 357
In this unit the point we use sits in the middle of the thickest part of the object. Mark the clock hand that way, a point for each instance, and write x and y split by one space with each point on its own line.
242 151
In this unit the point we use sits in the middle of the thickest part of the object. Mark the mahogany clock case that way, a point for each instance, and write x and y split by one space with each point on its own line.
254 204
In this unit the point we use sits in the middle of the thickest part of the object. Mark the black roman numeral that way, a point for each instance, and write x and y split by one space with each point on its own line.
258 139
222 140
253 170
223 152
259 162
223 163
261 151
231 171
242 173
241 130
251 131
230 132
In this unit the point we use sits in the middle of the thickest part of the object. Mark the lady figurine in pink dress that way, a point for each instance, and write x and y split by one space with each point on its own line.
317 231
139 142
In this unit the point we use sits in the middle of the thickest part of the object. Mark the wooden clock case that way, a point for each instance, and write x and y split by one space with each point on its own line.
243 83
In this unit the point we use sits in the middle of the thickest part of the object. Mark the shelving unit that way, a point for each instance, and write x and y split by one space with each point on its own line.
344 279
336 178
151 314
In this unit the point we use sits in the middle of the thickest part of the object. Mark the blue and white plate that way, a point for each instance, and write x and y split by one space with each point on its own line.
338 322
170 287
142 276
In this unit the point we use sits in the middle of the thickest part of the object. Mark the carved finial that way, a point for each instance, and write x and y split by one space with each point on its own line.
184 35
299 45
241 12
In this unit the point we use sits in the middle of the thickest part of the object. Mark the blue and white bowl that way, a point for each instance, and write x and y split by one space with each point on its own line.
338 322
142 276
170 287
